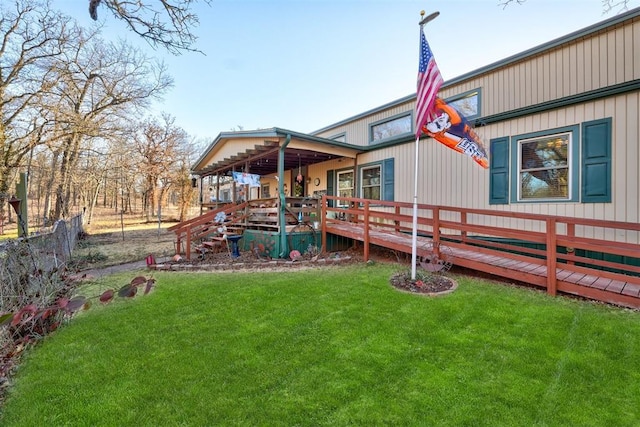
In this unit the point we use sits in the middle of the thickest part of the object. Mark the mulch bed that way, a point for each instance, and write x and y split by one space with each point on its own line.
222 261
433 284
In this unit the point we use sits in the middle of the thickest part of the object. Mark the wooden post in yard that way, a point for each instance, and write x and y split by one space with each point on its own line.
551 256
366 231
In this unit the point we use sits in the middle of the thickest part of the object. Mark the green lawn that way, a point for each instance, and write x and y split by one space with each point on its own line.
333 346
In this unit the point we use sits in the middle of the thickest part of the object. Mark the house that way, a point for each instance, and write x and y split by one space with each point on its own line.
560 122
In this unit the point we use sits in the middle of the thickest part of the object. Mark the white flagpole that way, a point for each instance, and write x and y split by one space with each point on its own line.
414 234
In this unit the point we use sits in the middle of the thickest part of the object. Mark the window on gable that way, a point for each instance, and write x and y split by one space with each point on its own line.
390 128
468 103
371 182
544 167
340 138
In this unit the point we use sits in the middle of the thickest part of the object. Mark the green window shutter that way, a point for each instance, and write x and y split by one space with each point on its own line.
388 179
499 171
596 161
331 175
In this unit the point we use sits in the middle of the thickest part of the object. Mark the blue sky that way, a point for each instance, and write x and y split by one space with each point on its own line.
305 64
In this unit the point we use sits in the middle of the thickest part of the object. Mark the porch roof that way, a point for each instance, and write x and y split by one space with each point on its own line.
257 152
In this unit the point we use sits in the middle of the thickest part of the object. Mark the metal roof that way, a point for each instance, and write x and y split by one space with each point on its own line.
262 158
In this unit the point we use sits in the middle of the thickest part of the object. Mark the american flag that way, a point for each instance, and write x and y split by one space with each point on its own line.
429 82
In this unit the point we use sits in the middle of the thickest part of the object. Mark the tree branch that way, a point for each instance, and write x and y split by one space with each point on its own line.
168 25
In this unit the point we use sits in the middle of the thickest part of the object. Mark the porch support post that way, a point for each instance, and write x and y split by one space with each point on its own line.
282 205
201 194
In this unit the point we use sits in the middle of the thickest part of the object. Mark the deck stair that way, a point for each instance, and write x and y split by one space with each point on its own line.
202 233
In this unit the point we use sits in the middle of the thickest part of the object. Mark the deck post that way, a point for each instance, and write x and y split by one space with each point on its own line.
571 233
188 244
463 221
551 256
323 223
436 227
366 231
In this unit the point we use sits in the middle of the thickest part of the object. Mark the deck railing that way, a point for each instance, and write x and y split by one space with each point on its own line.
257 214
190 231
587 247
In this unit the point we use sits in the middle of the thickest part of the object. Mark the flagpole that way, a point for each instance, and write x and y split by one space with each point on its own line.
414 234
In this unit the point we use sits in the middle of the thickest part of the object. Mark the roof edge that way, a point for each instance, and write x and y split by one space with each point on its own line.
567 38
272 133
594 28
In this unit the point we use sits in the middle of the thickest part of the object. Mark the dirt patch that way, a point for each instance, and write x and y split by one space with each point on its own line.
432 284
96 250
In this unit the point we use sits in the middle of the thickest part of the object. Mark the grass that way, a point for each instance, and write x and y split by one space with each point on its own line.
333 347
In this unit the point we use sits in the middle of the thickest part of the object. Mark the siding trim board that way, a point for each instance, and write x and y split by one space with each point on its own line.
593 95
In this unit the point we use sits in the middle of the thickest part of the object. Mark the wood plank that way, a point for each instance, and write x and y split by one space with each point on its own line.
540 271
563 274
588 280
631 289
601 283
615 286
574 277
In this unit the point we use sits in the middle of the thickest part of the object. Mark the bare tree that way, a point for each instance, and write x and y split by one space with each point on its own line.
619 5
607 5
159 146
32 36
165 23
183 190
100 86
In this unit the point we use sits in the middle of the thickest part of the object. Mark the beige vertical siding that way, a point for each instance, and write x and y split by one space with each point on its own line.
449 178
357 131
609 58
593 62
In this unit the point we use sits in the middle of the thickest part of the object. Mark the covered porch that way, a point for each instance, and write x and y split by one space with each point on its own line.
286 163
286 176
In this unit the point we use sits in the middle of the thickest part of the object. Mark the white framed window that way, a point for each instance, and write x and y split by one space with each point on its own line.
545 167
370 178
345 185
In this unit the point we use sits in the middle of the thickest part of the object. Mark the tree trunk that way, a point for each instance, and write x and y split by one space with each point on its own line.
70 156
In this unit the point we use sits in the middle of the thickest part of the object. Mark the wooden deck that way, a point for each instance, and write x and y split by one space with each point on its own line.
556 253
